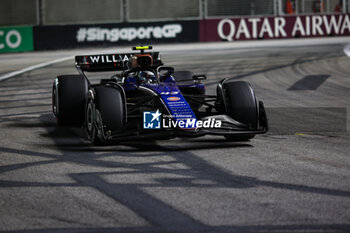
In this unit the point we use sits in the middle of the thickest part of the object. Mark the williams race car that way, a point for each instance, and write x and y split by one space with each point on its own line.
144 98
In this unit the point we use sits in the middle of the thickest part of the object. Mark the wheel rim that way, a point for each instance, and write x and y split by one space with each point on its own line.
54 102
89 117
90 126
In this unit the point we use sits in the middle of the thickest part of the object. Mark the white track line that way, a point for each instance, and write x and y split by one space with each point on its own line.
30 68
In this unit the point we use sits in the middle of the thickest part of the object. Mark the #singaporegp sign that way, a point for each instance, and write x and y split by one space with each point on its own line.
283 27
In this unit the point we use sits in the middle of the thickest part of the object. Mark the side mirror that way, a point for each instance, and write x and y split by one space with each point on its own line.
199 77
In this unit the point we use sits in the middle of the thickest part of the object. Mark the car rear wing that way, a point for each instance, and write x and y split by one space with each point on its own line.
110 62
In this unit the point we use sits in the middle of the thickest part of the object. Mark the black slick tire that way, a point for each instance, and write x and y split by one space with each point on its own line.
69 95
241 106
105 114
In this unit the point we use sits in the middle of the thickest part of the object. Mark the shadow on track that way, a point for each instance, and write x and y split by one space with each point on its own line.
163 216
312 228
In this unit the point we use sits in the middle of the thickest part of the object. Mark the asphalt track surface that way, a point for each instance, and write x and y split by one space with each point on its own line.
296 178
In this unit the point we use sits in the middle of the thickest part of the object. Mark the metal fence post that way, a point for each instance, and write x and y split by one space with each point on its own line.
203 5
276 8
39 12
125 11
252 7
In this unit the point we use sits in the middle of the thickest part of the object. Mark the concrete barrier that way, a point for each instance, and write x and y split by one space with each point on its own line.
16 39
253 28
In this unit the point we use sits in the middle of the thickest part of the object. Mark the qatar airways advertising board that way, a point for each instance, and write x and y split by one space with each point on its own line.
252 28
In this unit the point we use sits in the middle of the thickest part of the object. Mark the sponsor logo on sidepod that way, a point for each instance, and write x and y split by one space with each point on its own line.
173 98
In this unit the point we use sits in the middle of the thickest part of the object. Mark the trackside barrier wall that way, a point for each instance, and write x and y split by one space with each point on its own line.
72 36
252 28
16 39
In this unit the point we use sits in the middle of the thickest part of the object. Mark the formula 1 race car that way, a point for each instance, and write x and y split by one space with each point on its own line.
147 99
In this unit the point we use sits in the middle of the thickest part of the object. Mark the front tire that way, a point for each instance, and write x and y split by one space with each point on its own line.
241 105
105 114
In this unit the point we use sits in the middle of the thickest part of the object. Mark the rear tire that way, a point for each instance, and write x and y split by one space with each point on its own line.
105 114
68 99
241 105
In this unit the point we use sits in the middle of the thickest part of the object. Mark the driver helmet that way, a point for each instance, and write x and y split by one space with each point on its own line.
145 75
